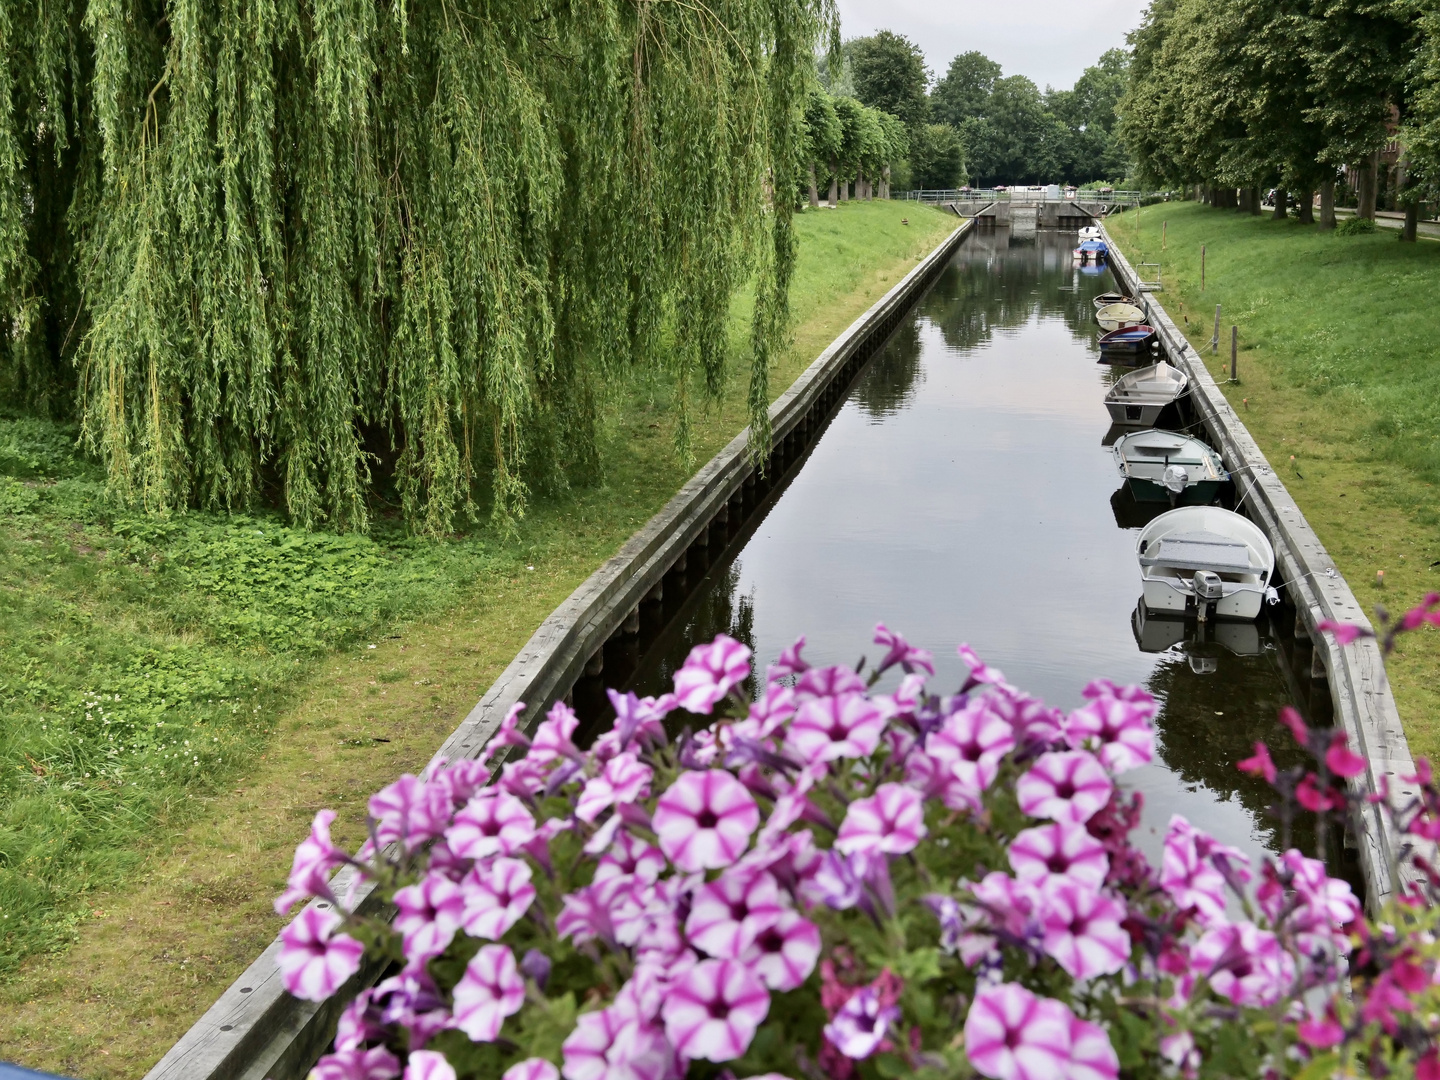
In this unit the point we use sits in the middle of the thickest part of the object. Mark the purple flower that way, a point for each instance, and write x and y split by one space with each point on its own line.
1034 722
980 672
1082 929
630 855
901 652
784 955
705 820
492 823
1065 786
712 1010
463 779
427 916
490 990
830 728
1091 1055
614 1044
509 733
314 960
774 709
709 672
971 743
1118 729
837 881
412 1000
1244 963
1010 1034
890 822
790 662
495 896
531 1069
410 810
428 1065
1188 876
1341 760
373 1064
360 1023
727 914
860 1025
1062 847
828 682
536 965
554 737
1345 633
315 857
586 912
623 779
639 718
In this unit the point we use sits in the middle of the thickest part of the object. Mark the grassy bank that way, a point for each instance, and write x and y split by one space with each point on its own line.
1339 369
179 696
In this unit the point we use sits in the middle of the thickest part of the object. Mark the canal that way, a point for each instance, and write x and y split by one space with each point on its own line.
963 490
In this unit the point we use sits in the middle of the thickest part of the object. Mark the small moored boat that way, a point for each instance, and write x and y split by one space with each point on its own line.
1107 298
1118 316
1092 251
1164 466
1139 397
1127 346
1205 560
1091 232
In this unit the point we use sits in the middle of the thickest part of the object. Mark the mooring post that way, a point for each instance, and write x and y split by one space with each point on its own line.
1234 349
1163 226
1215 337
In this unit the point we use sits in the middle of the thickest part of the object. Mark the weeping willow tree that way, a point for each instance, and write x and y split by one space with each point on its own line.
265 246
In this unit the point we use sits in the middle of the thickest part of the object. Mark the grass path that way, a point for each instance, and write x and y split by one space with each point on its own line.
340 679
1339 367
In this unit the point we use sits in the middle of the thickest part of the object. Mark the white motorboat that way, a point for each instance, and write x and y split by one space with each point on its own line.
1205 560
1137 399
1091 232
1165 466
1114 317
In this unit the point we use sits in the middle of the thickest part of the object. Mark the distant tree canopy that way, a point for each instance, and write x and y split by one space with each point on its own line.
890 75
271 246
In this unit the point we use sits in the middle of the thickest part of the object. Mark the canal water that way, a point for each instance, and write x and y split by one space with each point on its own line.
963 491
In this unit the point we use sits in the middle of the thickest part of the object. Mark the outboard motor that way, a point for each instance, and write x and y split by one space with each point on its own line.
1175 480
1209 589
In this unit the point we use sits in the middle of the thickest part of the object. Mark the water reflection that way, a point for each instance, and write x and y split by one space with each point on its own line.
961 493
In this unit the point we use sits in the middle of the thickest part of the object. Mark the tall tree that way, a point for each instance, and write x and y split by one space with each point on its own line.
964 92
890 75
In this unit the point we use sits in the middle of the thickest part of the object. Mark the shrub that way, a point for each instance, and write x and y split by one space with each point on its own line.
1355 226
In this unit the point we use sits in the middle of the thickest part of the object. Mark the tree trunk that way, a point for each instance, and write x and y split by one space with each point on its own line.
1251 204
1412 221
1305 203
844 190
1281 206
834 183
1369 181
814 191
1327 205
885 183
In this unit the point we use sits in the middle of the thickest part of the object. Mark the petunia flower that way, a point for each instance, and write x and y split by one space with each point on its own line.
614 1044
640 719
1244 963
1321 1033
890 822
428 1065
492 823
555 737
1062 847
834 681
773 710
1188 875
790 661
709 673
531 1069
1117 729
427 916
837 881
463 779
490 990
1317 800
1033 722
1341 760
359 1023
835 727
860 1025
727 914
712 1010
315 858
623 779
1010 1034
784 955
1068 785
704 820
971 742
495 897
377 1063
630 855
980 672
1259 765
899 651
410 810
1083 929
1091 1055
314 959
1344 632
411 999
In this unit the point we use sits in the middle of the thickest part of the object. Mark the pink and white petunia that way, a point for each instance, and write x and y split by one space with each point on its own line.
1117 729
790 662
1189 876
615 1044
427 915
833 728
860 1025
1244 963
314 959
428 1065
490 990
835 681
710 672
496 895
315 858
630 855
531 1069
784 955
623 780
1062 847
712 1010
727 914
890 822
555 737
971 742
1091 1055
377 1063
704 820
410 810
899 651
638 718
980 672
1010 1034
1083 929
492 823
1069 785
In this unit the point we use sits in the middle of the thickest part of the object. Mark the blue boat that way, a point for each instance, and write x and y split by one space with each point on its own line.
1092 251
1128 341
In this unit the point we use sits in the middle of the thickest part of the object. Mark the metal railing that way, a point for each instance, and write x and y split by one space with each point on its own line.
1035 195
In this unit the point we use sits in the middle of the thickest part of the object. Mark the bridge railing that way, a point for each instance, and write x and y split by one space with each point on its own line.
1027 195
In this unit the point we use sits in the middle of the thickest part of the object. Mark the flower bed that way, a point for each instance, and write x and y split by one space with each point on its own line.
836 880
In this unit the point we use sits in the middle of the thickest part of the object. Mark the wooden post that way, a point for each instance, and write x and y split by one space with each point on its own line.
1215 337
1234 349
1202 269
1163 226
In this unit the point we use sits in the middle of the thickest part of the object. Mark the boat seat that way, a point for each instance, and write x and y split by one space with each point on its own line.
1201 550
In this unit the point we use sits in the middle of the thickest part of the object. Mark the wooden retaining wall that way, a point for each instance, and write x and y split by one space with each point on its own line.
1364 705
256 1030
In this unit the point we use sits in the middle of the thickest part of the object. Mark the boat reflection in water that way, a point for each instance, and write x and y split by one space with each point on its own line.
1200 642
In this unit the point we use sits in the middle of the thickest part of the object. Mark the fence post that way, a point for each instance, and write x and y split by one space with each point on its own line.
1202 271
1215 337
1163 226
1234 349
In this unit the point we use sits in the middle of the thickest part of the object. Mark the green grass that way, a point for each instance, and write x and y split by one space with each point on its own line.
1339 369
179 695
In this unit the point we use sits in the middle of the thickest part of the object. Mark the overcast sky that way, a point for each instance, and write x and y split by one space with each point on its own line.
1051 41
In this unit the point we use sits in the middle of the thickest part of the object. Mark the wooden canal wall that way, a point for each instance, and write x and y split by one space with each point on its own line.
257 1031
1364 705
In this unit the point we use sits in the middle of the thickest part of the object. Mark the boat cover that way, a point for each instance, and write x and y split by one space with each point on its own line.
1200 550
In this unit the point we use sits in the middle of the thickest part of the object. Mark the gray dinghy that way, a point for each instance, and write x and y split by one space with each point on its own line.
1137 399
